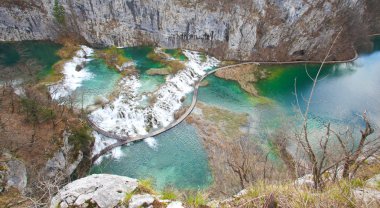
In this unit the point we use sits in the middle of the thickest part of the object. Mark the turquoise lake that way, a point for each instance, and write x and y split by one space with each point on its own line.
179 159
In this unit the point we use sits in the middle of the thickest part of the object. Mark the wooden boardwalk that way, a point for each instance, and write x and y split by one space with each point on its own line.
123 140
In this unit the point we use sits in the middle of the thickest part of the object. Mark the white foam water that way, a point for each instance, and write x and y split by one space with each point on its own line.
125 116
100 143
72 79
151 142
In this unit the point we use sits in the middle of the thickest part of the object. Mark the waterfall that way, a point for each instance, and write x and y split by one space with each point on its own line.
74 73
151 142
101 142
125 116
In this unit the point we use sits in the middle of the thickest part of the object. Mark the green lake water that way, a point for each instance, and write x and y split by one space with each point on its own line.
42 53
102 83
179 159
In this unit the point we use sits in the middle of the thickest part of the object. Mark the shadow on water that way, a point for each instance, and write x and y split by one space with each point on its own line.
43 53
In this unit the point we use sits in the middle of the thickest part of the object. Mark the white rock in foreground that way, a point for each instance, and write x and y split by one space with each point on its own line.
175 204
140 200
104 190
370 197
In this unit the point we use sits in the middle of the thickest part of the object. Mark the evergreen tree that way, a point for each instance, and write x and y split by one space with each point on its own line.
59 12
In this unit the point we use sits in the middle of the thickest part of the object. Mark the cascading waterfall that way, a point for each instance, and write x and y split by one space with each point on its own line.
133 112
74 74
125 116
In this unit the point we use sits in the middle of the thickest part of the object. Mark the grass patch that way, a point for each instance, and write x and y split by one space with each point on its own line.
172 66
145 186
114 57
169 194
287 195
177 54
195 200
367 171
128 197
357 183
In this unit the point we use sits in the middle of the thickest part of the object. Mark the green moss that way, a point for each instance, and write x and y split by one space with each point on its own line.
172 66
159 57
176 53
114 57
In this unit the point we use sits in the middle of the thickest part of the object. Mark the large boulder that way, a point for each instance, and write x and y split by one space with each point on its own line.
98 190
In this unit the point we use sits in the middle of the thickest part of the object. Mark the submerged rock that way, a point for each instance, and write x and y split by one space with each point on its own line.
245 75
79 67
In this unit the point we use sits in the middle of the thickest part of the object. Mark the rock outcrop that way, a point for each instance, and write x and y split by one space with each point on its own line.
12 172
102 190
270 30
62 163
369 194
106 191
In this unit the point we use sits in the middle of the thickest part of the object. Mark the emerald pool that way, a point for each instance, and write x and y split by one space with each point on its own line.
177 157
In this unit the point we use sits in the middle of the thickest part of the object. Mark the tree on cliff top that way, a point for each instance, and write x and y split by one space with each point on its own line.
59 12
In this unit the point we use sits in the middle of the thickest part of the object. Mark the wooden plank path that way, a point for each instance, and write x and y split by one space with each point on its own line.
123 140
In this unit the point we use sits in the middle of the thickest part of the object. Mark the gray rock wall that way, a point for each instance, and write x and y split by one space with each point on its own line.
270 30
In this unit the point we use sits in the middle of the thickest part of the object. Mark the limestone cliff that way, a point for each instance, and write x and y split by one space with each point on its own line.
270 30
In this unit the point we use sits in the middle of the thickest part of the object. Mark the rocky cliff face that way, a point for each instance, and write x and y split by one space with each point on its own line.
269 30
